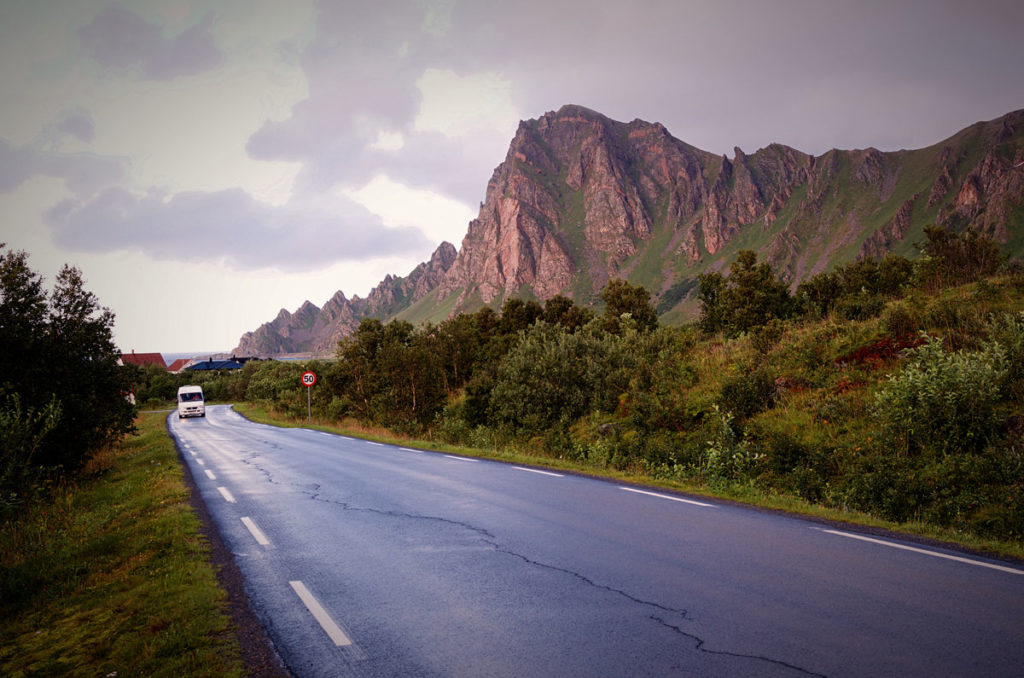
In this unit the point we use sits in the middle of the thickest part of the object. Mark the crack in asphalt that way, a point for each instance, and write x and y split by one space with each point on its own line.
313 491
491 541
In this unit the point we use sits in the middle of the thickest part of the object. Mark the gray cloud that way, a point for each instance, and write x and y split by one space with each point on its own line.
82 173
812 75
228 226
78 124
119 38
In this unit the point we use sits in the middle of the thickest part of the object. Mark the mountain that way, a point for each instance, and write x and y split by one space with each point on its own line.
581 199
318 330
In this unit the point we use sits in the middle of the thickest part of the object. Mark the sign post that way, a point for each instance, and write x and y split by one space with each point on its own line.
308 379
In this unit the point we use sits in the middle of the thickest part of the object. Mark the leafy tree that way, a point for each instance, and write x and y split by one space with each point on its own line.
58 356
748 298
551 378
83 372
856 290
622 299
953 258
559 310
517 315
389 374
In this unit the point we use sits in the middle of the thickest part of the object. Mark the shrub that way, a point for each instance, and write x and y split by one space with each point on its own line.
944 401
21 432
728 456
748 393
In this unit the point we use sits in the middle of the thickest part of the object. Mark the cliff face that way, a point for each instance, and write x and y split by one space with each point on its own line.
581 199
318 330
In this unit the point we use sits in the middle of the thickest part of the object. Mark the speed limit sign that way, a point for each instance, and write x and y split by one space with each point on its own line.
308 379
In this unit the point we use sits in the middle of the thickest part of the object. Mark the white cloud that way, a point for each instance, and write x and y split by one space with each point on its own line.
438 217
457 105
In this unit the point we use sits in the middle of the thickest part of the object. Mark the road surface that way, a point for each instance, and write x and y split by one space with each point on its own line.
363 559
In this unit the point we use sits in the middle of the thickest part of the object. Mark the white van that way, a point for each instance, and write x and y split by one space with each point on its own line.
190 402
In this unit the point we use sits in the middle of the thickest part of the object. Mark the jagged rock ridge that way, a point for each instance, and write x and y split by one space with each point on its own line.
581 198
318 330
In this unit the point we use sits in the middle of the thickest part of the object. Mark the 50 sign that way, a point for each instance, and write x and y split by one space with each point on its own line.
308 379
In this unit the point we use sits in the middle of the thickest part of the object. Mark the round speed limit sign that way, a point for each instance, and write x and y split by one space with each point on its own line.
308 379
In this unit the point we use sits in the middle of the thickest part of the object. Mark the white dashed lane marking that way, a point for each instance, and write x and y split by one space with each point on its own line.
667 496
934 554
334 631
255 531
543 473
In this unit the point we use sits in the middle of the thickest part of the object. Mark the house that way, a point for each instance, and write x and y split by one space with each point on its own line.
212 364
179 365
142 359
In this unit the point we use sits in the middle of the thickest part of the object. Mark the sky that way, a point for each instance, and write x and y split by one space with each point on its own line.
206 163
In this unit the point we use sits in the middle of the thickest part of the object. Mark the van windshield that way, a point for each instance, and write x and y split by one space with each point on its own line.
192 397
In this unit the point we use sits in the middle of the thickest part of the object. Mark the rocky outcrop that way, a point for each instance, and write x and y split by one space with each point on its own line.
318 330
581 199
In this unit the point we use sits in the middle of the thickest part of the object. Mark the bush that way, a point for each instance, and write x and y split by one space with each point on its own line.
21 432
748 393
944 401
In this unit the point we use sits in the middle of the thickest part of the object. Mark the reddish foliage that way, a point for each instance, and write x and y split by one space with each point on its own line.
880 352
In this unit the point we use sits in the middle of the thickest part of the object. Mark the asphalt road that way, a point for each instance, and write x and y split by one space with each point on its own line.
364 559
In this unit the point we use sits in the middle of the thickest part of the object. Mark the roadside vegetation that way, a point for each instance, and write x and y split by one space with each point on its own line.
109 575
888 391
103 571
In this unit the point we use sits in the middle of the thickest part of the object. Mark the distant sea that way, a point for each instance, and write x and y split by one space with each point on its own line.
171 357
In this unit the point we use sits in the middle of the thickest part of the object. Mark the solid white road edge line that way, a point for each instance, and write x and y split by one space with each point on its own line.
209 474
227 495
934 554
543 473
334 632
669 497
255 531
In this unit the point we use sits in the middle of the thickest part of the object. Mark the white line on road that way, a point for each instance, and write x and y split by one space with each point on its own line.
543 473
227 495
320 614
200 461
935 554
452 456
255 531
409 449
209 474
666 496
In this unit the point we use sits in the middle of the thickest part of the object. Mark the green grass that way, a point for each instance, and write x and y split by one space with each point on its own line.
111 575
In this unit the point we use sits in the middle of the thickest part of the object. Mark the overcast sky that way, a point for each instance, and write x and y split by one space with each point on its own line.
207 163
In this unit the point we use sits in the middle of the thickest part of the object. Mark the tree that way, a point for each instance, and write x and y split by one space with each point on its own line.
82 371
953 258
748 298
559 310
622 299
22 327
59 357
518 315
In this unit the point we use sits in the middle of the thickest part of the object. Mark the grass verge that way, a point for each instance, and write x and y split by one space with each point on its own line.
749 496
111 576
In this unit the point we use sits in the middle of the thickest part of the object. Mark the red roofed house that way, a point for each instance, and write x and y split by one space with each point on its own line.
143 359
178 365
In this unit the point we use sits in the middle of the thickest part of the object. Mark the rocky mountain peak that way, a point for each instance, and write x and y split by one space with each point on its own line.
581 198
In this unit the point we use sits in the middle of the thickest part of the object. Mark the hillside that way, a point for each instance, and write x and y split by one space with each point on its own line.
581 199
